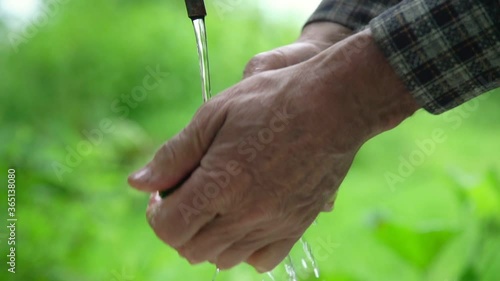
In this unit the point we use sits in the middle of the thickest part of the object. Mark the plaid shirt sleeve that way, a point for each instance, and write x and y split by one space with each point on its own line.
353 14
446 52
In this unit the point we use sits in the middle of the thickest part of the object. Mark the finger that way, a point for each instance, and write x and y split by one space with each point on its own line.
177 218
213 239
241 251
182 154
227 229
267 258
282 57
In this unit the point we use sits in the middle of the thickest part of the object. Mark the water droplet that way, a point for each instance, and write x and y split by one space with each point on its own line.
216 273
309 255
290 269
271 276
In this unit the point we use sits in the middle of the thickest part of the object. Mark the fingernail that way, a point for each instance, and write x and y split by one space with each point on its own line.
155 197
141 175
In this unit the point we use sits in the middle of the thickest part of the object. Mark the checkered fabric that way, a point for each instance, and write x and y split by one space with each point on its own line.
446 52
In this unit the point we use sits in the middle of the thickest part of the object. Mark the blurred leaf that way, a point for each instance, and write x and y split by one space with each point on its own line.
417 247
457 257
486 197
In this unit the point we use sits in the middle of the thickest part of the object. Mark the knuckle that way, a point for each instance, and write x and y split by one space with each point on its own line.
259 62
190 254
206 110
256 61
269 267
226 264
168 239
154 219
251 263
261 268
193 260
208 119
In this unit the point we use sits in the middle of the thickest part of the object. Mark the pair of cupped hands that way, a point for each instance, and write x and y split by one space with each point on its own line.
262 159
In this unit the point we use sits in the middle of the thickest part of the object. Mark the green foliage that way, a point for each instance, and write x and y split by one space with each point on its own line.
82 221
419 247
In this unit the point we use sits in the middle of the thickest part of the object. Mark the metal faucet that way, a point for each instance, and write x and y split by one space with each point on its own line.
196 9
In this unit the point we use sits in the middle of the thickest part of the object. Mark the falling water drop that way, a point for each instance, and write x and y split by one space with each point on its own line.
271 276
216 273
290 269
309 255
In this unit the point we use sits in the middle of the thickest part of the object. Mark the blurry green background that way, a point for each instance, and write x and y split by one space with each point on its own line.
440 222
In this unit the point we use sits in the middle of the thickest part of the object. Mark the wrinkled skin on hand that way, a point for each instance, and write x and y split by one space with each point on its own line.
265 156
285 168
315 38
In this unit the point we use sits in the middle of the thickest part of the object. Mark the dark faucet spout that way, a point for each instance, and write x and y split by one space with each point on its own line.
196 9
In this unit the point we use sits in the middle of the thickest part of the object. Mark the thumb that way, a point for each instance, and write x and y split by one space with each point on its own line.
282 57
178 157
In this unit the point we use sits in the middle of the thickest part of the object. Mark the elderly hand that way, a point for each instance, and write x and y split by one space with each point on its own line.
266 155
315 38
